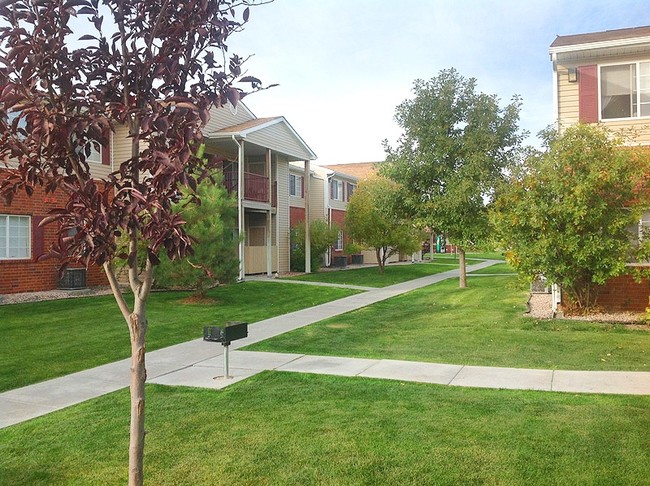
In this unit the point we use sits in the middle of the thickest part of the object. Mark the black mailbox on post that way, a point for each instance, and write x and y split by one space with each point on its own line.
230 332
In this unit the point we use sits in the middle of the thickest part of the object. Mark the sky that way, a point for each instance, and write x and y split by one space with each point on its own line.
344 65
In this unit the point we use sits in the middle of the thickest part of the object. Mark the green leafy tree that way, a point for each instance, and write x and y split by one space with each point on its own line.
214 258
455 146
375 219
568 213
321 236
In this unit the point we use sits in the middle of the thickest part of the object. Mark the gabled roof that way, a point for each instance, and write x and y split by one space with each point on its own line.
244 129
620 42
360 170
275 133
607 36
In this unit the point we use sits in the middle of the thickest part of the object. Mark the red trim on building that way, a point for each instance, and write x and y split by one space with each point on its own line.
588 93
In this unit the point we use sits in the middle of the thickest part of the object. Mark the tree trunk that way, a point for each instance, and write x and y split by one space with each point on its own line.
462 264
380 260
138 330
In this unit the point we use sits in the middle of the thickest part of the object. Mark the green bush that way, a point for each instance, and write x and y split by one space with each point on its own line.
322 237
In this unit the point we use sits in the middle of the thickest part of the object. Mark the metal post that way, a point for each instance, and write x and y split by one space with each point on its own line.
226 368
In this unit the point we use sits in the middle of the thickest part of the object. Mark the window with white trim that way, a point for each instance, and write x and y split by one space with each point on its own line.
15 237
625 90
337 190
295 185
339 241
95 155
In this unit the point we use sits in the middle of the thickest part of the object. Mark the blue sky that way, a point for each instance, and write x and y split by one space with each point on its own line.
344 65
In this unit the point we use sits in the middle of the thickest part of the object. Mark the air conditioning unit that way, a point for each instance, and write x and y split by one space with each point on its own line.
73 279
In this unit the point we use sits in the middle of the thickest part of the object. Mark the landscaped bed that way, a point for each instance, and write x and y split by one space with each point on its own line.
283 428
482 325
44 340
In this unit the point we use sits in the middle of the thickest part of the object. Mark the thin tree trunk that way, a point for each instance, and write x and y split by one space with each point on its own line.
462 267
138 330
380 260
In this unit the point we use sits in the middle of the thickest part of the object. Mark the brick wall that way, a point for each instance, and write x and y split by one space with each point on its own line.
30 275
624 294
296 215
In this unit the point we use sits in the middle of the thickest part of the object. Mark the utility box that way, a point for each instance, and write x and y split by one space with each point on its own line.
230 332
73 279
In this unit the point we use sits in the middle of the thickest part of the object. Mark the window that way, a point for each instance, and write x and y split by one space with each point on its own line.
336 190
625 91
643 232
95 155
339 241
295 185
14 237
351 189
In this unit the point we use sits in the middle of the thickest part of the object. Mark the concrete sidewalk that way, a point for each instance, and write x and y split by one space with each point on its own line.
196 363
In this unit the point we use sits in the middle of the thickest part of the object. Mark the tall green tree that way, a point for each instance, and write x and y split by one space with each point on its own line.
212 224
455 146
375 219
568 214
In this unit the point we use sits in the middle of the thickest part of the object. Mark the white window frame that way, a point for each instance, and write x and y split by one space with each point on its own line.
338 194
295 188
638 91
4 255
339 241
95 156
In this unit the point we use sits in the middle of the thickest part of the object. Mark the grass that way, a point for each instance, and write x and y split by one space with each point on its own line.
469 256
295 429
493 269
481 325
48 339
370 276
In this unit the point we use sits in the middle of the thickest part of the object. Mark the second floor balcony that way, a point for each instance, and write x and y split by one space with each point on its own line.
256 187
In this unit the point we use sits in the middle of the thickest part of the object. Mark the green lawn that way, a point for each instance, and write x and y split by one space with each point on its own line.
298 429
496 268
469 256
481 325
49 339
370 276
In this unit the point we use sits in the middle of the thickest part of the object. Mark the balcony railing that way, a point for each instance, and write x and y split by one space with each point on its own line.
256 187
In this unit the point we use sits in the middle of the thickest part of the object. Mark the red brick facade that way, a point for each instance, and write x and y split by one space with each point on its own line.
296 215
337 217
29 275
624 294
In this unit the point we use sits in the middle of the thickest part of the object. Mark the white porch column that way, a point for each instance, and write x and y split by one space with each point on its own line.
240 207
269 234
307 183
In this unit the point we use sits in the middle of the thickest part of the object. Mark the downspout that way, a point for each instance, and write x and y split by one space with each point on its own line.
240 205
307 188
328 205
556 107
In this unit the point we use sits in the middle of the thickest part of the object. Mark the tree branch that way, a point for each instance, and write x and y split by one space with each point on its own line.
117 292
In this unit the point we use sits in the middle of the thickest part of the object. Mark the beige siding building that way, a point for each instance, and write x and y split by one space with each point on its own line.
604 77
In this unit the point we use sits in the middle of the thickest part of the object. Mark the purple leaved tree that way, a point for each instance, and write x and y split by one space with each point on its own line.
153 69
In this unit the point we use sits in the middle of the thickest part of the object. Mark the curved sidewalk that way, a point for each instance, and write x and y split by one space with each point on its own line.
197 363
